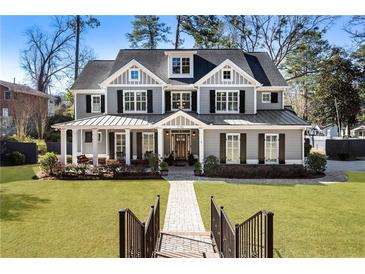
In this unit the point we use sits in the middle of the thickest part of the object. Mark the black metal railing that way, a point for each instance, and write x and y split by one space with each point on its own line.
251 239
137 239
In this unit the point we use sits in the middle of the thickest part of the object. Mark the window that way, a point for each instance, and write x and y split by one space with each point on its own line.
95 103
233 148
271 148
88 137
181 100
119 146
226 74
134 75
266 97
7 95
148 141
5 112
135 101
99 137
180 65
227 101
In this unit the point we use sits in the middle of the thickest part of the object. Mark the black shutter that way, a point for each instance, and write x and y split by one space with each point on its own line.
212 101
222 148
111 145
282 148
156 144
88 103
139 145
242 101
261 151
274 97
149 101
102 103
167 101
131 145
193 100
243 148
88 137
120 101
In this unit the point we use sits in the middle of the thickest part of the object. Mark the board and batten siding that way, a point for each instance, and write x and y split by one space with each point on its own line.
293 142
81 106
269 106
205 101
144 79
112 101
237 79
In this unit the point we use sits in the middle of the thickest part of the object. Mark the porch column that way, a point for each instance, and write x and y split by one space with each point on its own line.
201 145
95 146
160 142
127 146
63 146
74 146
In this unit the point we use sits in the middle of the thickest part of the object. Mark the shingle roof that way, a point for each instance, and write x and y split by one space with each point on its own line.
257 64
263 117
93 73
23 89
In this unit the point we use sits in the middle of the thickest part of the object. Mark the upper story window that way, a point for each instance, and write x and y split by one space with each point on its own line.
7 95
134 75
135 101
227 101
95 103
266 97
181 100
226 74
180 63
5 112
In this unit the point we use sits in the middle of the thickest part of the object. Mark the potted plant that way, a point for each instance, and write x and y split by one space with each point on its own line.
197 168
164 168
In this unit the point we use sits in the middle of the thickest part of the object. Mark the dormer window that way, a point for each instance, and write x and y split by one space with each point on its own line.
134 75
180 64
226 74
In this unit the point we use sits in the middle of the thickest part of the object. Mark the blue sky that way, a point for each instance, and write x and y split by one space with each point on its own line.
105 40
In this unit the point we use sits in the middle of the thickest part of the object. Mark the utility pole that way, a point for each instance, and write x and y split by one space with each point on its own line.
77 30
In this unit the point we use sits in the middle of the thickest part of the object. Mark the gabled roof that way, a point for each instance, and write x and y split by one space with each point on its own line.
23 89
256 64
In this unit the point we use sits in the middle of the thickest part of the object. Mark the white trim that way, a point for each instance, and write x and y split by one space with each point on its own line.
92 103
303 142
181 92
134 85
135 102
229 63
252 162
293 162
198 100
163 108
277 147
120 71
254 100
177 114
180 52
230 75
226 110
115 142
262 97
224 85
272 88
130 75
239 148
88 91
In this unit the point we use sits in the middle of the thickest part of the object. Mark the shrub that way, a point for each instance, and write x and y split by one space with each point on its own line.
170 159
197 166
16 158
113 166
316 162
153 162
211 165
49 163
191 159
307 149
164 166
41 146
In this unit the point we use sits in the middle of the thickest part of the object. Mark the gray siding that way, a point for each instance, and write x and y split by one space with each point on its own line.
261 105
81 106
237 79
205 93
144 79
112 103
293 142
87 148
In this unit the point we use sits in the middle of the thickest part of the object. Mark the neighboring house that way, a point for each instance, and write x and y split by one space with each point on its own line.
12 97
358 132
225 103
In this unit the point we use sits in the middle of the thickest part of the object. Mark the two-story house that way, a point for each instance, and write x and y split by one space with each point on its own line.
220 102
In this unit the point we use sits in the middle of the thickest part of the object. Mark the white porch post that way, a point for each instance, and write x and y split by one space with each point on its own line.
198 100
127 146
160 142
95 146
74 146
107 143
201 145
63 146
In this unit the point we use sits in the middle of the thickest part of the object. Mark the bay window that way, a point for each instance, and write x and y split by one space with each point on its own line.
135 101
227 101
271 148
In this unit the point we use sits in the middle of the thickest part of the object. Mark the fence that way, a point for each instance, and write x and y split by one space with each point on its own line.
56 147
28 149
349 148
251 239
137 239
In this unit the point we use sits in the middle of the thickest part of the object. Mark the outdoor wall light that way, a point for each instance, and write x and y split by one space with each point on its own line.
194 134
167 133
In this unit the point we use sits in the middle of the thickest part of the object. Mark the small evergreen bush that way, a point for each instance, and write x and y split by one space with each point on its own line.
16 158
316 162
49 163
211 165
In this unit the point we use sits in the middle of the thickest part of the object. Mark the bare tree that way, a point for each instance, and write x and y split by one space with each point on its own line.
21 107
39 114
356 28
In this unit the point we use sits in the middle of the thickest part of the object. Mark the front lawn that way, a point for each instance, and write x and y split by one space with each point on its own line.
68 218
309 220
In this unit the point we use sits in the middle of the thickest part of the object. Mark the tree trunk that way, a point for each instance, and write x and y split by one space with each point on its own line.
177 37
77 46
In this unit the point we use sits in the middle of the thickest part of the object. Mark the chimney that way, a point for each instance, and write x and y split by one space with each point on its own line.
14 80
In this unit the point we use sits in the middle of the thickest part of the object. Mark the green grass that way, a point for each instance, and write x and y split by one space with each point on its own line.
309 220
68 218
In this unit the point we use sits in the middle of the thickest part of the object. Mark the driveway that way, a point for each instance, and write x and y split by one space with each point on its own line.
341 166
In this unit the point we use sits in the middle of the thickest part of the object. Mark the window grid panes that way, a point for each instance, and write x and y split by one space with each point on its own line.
233 148
227 101
176 65
148 142
96 103
271 148
119 146
7 95
181 100
266 97
185 65
135 101
226 75
134 75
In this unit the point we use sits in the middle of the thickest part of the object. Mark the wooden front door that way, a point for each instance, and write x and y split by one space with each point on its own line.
180 146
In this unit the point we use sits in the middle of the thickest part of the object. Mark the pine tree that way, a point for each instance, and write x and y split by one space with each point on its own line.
148 32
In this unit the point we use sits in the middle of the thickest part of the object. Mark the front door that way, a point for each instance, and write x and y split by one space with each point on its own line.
180 146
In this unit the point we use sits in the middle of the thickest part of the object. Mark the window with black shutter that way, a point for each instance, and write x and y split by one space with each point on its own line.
88 103
120 101
149 101
274 97
88 137
212 101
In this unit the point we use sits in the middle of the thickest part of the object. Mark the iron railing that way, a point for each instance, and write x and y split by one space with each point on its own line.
251 239
137 239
